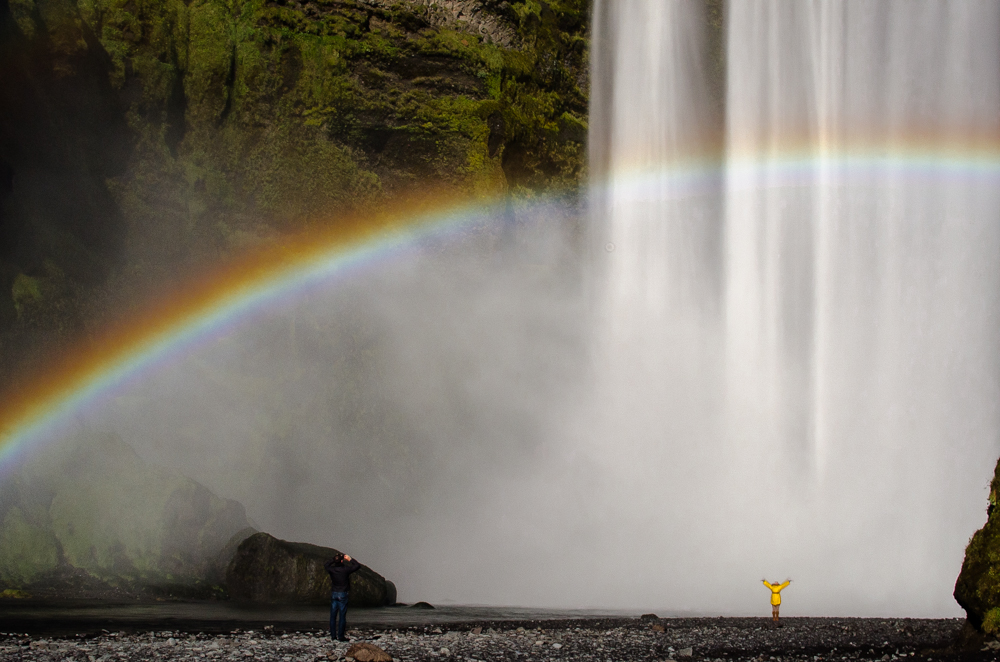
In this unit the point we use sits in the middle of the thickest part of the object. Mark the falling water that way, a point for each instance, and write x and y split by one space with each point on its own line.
797 355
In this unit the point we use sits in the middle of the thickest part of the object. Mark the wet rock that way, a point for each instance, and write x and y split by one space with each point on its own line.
268 570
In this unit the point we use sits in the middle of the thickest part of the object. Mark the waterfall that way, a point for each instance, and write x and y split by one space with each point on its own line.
797 345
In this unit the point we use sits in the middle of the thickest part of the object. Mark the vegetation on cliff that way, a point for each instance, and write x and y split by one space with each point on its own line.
150 137
978 587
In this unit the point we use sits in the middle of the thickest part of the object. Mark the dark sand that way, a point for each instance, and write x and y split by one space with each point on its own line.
462 634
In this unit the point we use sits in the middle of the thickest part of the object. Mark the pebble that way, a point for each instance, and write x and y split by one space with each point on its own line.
590 640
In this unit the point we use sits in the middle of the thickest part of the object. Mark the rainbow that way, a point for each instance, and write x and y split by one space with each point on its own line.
209 304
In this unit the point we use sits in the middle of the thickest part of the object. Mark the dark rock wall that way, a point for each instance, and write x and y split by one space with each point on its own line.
62 136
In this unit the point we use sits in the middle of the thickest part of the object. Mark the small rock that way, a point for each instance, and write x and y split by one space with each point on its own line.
685 652
477 630
557 646
365 652
171 642
649 617
658 627
445 651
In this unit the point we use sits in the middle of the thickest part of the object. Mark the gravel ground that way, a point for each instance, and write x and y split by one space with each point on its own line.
598 640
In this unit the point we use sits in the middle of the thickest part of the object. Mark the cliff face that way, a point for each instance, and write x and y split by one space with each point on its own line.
143 138
978 587
89 515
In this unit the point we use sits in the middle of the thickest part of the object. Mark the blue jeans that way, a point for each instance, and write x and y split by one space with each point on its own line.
338 603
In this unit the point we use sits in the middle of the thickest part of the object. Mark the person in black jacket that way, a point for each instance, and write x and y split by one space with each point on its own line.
340 568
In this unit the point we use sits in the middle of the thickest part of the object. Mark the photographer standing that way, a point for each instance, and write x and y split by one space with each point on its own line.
340 568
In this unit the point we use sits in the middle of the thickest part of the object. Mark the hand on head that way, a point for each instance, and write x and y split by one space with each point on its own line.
347 557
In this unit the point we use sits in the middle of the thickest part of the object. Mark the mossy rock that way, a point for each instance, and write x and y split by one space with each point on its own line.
268 570
978 587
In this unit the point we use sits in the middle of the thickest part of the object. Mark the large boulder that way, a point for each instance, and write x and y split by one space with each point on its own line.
978 587
267 570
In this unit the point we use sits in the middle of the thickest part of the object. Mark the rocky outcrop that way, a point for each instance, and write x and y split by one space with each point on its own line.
494 21
89 511
268 570
978 587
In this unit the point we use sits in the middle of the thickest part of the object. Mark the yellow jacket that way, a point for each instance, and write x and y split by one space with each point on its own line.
775 591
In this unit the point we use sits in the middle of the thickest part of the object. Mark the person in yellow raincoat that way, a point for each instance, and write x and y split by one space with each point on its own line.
775 596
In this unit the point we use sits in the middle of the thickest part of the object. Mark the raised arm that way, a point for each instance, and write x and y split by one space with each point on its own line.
352 566
786 583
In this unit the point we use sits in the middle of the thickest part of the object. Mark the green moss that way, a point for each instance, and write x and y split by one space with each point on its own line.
269 73
991 622
209 61
22 11
978 587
